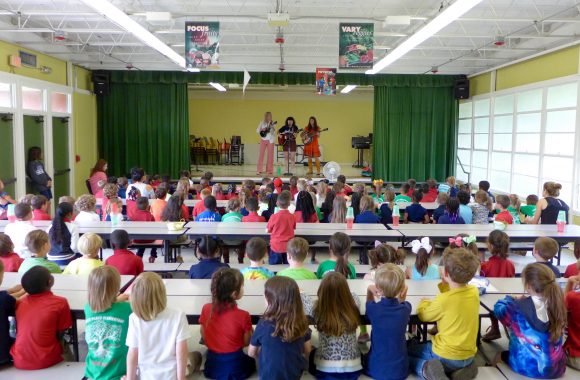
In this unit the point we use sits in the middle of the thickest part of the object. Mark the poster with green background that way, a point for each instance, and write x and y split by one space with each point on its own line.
356 42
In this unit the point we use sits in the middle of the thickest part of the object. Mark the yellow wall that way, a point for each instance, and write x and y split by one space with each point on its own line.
85 135
58 74
223 115
480 84
83 78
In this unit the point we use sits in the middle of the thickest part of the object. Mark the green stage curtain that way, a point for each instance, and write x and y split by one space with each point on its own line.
415 133
144 125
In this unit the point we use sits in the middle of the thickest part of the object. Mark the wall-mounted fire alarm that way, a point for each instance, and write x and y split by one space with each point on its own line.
15 61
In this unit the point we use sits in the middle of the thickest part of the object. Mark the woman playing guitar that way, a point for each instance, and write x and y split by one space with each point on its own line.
287 138
311 149
267 135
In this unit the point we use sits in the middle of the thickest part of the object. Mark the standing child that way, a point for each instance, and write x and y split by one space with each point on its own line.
367 212
385 254
143 214
498 265
572 301
415 213
389 314
107 322
19 229
297 250
545 249
210 214
481 208
423 269
38 244
64 236
89 246
539 318
225 329
256 250
157 335
9 259
209 262
336 317
282 332
42 319
281 227
86 205
442 199
252 206
456 311
339 245
502 204
451 215
40 205
122 259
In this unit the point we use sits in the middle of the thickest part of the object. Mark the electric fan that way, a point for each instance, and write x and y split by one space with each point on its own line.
331 171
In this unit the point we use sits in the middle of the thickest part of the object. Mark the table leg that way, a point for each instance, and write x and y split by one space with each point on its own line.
167 249
559 252
75 338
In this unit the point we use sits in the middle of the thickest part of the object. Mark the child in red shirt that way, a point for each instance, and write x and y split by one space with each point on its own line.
277 185
123 259
572 300
502 202
574 269
11 260
225 329
42 318
131 202
216 191
281 227
40 205
199 207
498 265
430 192
252 207
143 214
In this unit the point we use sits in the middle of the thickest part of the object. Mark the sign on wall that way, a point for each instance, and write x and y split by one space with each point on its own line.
325 81
356 45
202 44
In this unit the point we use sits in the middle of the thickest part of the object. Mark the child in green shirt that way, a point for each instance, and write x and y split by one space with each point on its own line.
233 216
297 250
530 208
38 245
403 197
339 249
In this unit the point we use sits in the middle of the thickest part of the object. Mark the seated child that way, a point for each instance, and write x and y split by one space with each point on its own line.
297 250
281 227
19 229
5 200
529 210
571 270
430 191
252 207
86 205
367 212
131 202
40 206
305 210
423 269
386 208
225 329
541 319
64 236
339 245
572 302
199 207
233 212
481 208
385 254
107 319
114 207
402 196
451 215
389 314
210 214
38 245
256 250
514 208
89 246
464 210
217 193
110 192
415 213
158 204
122 184
7 309
485 186
10 260
502 204
42 319
157 335
66 199
125 261
143 214
448 187
412 187
456 311
545 249
232 216
442 199
209 260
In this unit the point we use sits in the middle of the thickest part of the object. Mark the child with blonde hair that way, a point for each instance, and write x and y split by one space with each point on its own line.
545 249
157 335
367 211
297 249
89 246
86 205
38 244
338 213
107 320
386 208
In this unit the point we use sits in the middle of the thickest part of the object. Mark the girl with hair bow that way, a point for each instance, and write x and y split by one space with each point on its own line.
423 269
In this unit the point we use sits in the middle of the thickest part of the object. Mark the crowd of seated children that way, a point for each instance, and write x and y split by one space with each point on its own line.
38 246
19 229
209 259
40 205
89 246
10 260
125 261
256 250
86 207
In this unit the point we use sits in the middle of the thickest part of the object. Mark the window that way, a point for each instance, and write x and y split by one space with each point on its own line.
5 95
32 99
59 102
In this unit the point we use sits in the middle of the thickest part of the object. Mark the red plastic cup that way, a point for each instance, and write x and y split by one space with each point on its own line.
396 220
561 226
349 223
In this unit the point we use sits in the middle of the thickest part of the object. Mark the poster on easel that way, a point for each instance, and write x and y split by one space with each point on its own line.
356 43
202 41
325 81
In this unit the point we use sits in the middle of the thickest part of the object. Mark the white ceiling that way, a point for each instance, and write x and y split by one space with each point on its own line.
464 47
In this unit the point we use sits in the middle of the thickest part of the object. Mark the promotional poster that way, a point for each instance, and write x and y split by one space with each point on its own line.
356 45
325 81
202 44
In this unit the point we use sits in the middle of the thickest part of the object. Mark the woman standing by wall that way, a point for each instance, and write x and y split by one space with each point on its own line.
39 178
267 135
98 176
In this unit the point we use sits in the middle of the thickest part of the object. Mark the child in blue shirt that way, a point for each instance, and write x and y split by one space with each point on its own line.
415 213
367 211
442 199
210 214
386 209
209 260
388 313
451 215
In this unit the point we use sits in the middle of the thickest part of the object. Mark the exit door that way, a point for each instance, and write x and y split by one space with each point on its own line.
33 136
60 140
7 154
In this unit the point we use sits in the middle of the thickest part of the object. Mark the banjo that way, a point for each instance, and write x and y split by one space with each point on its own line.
307 137
264 132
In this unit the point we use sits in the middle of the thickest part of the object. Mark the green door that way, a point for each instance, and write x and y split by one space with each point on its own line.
7 154
61 178
33 136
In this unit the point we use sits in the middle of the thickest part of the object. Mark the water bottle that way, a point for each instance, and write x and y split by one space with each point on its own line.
561 221
349 217
396 215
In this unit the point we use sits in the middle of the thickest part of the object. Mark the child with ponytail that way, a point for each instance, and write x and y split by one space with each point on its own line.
385 254
451 215
539 318
339 245
63 235
423 269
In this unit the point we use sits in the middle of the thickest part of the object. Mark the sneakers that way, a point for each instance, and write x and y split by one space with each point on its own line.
465 373
491 334
433 370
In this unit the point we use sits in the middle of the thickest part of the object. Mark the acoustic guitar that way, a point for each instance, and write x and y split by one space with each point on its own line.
284 137
308 137
264 132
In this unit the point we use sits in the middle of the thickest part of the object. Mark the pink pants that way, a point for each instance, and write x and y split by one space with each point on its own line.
266 145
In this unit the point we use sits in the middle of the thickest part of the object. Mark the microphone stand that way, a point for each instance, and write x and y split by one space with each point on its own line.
288 173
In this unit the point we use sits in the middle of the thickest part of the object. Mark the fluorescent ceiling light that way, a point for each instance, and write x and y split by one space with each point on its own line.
120 18
452 13
193 69
348 89
218 86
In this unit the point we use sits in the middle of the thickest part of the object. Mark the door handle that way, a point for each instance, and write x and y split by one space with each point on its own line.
61 172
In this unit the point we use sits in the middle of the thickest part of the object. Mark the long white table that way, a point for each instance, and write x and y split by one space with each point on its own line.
68 282
41 224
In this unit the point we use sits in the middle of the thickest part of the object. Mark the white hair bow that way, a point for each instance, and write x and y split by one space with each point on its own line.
416 245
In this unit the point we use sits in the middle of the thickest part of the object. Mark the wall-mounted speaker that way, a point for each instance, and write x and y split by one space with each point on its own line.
461 88
100 83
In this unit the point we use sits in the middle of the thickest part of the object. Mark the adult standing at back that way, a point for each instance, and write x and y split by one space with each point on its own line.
267 134
548 207
39 178
98 178
137 175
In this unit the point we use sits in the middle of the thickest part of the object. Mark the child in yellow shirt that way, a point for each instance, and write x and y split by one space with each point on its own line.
456 311
89 245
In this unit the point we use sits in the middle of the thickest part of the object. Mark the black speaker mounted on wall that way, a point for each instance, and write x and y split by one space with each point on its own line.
100 83
461 88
